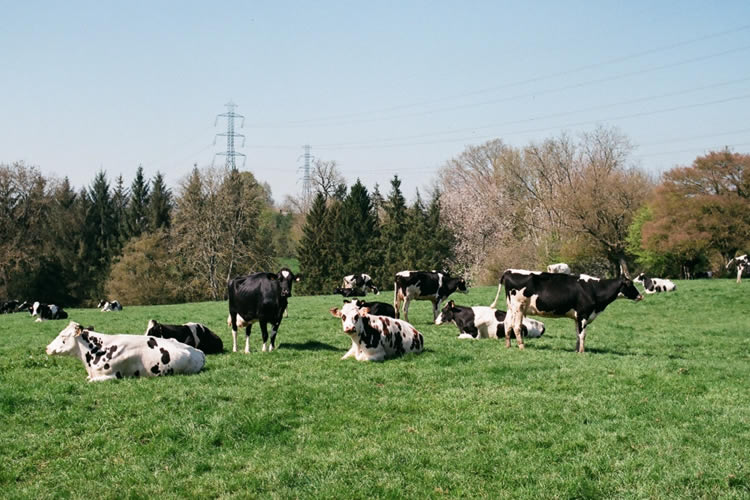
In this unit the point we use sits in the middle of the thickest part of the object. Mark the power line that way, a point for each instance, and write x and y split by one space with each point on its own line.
230 134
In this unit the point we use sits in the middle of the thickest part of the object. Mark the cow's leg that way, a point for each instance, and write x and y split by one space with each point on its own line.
396 301
353 350
233 317
740 268
407 301
264 333
247 338
516 309
436 309
581 332
274 329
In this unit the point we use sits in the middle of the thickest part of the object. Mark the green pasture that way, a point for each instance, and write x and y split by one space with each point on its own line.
659 407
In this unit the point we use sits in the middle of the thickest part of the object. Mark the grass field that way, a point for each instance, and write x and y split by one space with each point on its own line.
658 407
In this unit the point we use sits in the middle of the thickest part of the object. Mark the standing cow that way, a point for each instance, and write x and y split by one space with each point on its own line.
106 357
262 298
742 262
580 298
424 285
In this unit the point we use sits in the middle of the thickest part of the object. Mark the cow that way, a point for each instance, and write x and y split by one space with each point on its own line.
655 285
47 311
26 306
106 357
481 322
561 268
9 306
359 283
742 262
377 308
424 285
579 297
259 297
192 334
348 292
375 338
106 305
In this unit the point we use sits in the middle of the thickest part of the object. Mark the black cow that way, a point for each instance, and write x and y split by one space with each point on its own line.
260 297
481 322
47 311
742 262
424 285
360 283
377 308
25 306
192 334
348 292
581 298
9 306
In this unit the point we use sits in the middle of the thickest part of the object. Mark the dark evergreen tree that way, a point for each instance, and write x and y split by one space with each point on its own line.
357 229
440 240
159 204
120 205
137 215
392 232
416 239
313 252
100 234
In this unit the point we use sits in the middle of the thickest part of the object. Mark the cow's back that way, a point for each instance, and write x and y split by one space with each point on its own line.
255 296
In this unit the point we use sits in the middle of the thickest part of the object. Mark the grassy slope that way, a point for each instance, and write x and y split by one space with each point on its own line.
658 407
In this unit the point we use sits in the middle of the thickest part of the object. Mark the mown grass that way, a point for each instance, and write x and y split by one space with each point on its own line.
657 408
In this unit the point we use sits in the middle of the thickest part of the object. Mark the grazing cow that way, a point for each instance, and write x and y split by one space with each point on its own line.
481 322
741 262
655 285
192 334
348 292
106 305
377 308
116 356
47 311
375 338
262 298
9 306
360 283
423 285
561 268
581 298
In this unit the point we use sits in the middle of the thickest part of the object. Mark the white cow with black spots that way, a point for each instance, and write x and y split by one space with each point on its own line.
116 356
655 285
742 262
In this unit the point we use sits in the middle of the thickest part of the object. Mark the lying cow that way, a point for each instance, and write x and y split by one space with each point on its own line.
741 262
359 284
481 322
116 356
192 334
377 308
348 292
47 311
375 338
580 298
423 285
106 305
9 307
561 268
655 285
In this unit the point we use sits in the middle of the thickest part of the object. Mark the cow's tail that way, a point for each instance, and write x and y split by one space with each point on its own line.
499 286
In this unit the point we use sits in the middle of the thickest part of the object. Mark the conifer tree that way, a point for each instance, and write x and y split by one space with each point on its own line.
159 211
120 205
100 232
137 214
392 230
357 229
314 253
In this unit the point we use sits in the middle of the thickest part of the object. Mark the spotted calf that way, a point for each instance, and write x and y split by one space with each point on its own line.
107 357
655 285
375 338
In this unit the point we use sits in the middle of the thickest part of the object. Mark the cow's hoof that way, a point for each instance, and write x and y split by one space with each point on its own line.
264 347
521 346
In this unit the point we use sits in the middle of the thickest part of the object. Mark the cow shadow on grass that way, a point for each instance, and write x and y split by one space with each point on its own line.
311 345
590 350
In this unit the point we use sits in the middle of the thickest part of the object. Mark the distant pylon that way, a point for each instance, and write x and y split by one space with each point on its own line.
306 179
230 134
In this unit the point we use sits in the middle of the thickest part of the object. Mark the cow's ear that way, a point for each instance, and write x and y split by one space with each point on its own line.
364 311
298 278
346 301
335 312
79 330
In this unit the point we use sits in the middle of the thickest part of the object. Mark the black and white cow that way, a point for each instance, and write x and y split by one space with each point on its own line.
481 322
360 283
579 297
259 297
106 305
561 268
47 311
655 285
375 338
348 292
192 334
9 306
25 306
742 262
116 356
424 285
377 308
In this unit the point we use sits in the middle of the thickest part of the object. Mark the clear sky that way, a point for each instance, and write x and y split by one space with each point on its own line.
381 87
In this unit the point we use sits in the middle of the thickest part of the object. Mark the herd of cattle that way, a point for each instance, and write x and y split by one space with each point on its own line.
375 328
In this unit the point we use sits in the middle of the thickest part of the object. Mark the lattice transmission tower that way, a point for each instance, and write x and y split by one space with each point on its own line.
305 168
230 134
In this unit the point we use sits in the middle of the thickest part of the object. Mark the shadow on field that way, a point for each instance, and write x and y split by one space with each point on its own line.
312 345
589 350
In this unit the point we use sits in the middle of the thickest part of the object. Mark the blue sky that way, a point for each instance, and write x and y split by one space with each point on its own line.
380 87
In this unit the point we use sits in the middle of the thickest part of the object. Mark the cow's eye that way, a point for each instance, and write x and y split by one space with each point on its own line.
343 316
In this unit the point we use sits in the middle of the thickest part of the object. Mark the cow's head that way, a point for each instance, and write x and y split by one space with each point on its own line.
461 287
351 316
154 329
286 278
447 314
639 278
534 328
628 289
101 304
34 310
65 341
